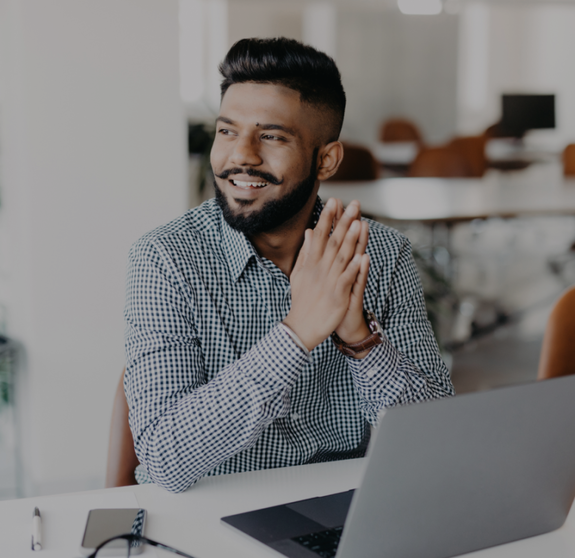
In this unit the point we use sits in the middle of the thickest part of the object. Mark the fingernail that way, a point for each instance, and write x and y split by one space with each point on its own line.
354 226
351 209
330 203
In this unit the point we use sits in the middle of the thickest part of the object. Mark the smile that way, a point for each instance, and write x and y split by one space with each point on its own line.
248 185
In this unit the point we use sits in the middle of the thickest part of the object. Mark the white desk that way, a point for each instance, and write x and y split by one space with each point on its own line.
395 152
539 190
191 521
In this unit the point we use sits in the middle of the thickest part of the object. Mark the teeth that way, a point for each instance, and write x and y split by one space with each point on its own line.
242 184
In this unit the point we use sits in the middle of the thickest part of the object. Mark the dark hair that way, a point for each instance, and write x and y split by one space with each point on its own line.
292 64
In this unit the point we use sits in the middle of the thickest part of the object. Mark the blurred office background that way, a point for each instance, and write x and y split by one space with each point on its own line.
97 98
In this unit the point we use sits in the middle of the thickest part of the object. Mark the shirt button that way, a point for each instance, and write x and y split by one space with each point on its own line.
294 416
371 373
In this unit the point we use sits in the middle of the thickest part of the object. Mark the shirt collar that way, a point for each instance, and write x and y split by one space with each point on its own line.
239 250
317 209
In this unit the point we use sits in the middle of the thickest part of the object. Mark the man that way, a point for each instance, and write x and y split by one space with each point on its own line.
230 308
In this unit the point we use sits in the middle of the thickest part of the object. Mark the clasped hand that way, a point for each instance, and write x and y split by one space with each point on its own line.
329 278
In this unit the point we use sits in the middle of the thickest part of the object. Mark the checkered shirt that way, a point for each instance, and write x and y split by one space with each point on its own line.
215 386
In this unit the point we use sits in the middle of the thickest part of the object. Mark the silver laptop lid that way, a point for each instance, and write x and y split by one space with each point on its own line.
452 476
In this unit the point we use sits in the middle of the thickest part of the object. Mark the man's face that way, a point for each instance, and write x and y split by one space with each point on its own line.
264 155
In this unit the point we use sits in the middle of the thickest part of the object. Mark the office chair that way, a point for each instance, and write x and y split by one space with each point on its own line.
122 460
358 164
399 129
498 130
569 160
472 149
442 162
558 349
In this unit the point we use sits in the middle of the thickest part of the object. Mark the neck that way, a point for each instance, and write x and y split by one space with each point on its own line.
282 245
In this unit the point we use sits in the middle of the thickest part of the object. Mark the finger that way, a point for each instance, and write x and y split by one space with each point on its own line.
363 238
338 214
323 229
360 282
347 249
347 279
350 215
304 251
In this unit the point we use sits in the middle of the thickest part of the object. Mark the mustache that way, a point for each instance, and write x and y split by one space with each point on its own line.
251 172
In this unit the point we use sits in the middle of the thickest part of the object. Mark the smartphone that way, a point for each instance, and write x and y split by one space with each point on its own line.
103 524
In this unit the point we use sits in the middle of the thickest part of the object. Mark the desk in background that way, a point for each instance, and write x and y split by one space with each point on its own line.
440 203
539 190
191 521
501 153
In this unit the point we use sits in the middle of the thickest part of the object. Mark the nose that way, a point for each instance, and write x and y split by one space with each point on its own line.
246 152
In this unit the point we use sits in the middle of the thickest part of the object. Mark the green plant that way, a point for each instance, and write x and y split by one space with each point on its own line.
7 353
5 373
200 140
4 384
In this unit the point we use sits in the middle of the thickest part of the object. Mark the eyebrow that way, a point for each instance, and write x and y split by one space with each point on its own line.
280 127
224 120
285 129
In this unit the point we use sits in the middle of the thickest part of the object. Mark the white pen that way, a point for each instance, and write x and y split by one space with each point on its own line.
36 530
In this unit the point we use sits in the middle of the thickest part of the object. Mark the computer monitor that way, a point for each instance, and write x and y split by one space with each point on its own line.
527 112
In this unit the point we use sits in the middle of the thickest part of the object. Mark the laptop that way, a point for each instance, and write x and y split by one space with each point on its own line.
443 478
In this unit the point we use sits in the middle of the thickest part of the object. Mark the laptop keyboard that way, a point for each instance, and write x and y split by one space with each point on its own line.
323 543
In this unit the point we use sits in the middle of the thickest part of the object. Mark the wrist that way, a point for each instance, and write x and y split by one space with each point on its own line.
360 348
295 338
356 335
308 338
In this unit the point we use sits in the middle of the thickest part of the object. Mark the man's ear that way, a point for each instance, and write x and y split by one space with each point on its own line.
329 158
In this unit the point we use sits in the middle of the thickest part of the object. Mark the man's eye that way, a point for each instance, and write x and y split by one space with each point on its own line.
224 131
270 137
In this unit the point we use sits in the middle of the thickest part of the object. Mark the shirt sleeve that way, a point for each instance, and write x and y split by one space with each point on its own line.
407 367
183 426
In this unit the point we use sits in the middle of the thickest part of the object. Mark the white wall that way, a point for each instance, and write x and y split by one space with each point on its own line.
264 18
398 65
529 49
93 156
391 64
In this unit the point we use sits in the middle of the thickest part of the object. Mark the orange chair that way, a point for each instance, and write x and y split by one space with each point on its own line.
569 160
122 460
358 164
472 149
442 162
399 129
497 130
558 349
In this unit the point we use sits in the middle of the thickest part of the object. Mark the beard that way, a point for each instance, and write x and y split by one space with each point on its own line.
274 213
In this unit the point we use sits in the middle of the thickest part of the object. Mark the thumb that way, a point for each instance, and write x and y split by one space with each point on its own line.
304 251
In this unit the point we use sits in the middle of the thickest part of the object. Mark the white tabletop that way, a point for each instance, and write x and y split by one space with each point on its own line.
191 521
395 152
539 190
